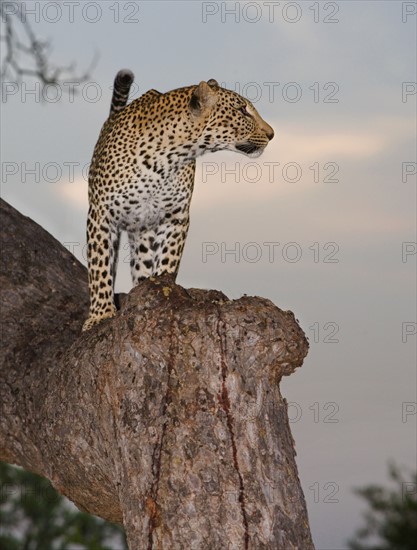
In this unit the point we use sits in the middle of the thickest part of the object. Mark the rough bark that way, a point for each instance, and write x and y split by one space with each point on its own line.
167 418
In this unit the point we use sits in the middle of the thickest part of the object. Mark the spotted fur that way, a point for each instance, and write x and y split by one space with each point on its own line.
142 176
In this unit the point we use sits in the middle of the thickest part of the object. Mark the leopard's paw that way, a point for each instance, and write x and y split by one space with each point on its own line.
96 319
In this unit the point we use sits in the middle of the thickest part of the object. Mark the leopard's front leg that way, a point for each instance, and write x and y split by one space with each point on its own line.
169 245
102 247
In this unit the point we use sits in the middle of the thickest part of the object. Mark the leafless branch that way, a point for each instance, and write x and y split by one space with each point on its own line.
26 55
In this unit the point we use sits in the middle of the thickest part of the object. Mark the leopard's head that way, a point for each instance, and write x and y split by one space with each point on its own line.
229 120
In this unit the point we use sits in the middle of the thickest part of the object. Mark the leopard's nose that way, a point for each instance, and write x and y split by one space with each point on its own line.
270 133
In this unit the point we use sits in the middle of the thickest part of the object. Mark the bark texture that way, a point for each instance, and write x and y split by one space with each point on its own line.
167 418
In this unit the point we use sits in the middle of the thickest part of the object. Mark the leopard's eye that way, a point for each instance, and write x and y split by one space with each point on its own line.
244 111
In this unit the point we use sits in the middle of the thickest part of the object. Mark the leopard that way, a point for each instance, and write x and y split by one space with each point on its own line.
141 176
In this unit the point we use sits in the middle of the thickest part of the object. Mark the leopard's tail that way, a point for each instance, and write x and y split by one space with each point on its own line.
121 88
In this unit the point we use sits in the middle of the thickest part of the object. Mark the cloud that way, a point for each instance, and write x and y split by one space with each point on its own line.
356 138
301 159
340 145
75 192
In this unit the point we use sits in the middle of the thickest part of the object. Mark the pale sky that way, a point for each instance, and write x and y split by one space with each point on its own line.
323 224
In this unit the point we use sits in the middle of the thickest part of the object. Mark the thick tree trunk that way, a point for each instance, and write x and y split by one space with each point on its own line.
167 418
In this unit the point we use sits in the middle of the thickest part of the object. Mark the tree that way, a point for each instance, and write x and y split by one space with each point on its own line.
391 520
34 516
167 419
26 55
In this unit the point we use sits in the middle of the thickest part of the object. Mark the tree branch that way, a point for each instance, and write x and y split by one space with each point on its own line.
167 418
36 52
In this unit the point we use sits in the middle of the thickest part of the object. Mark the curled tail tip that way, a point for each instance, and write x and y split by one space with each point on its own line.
126 76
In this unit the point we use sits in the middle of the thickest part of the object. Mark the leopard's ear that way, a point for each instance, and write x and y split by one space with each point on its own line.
213 83
203 98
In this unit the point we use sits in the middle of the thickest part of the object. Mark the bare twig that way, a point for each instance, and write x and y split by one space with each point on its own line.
34 51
